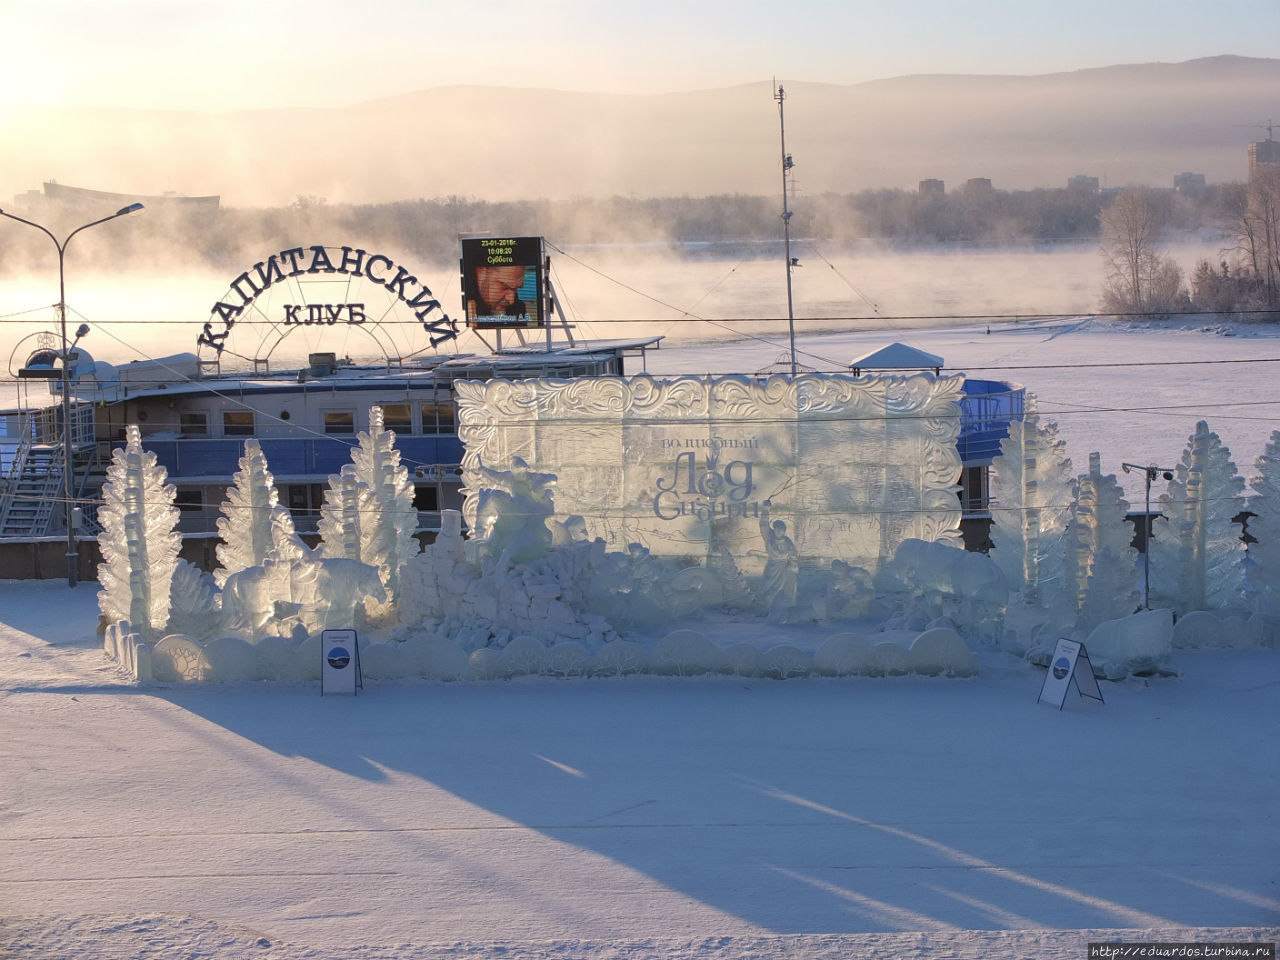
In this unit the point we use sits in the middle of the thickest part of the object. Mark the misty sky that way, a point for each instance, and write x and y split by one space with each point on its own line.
247 54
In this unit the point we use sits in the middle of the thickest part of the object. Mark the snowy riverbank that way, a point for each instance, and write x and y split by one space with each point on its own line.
635 817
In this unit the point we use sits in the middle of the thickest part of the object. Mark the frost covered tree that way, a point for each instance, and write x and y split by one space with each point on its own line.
1200 557
245 524
388 517
1099 568
1265 526
139 540
1031 494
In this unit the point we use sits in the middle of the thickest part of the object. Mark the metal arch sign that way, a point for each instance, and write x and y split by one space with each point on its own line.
299 264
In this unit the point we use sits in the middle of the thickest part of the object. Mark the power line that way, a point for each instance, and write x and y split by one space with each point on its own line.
227 507
689 315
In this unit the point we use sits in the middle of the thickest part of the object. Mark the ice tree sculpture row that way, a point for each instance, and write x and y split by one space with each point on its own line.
1065 548
268 581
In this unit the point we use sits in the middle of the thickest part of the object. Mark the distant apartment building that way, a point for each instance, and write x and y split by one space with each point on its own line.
1263 155
978 185
1083 184
1188 182
932 188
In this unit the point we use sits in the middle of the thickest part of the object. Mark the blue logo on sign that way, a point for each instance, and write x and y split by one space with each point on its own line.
339 658
1060 668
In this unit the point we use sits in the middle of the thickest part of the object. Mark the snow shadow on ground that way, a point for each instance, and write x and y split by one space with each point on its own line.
848 805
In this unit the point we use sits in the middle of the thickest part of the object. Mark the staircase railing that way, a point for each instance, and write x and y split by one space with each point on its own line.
34 481
16 468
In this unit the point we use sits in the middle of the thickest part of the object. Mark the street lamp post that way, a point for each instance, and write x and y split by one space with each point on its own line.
1150 473
68 452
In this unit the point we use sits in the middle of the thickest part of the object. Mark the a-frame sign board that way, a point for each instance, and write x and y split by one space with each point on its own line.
340 662
1070 663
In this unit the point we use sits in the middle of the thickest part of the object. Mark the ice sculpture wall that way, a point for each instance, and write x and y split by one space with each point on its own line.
687 466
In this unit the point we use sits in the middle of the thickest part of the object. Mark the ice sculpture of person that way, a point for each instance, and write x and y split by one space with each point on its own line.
513 513
782 569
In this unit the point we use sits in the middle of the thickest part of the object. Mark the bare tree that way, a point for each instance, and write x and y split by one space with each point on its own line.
1139 278
1251 280
1259 234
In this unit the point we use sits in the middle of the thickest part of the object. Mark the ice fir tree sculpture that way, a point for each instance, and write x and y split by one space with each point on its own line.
1264 575
388 517
245 524
1099 571
1199 559
139 540
1031 494
340 515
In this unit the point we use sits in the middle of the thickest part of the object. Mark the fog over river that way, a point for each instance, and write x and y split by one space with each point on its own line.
607 292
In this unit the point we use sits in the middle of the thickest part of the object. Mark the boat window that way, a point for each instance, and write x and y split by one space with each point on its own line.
189 500
974 495
193 424
304 501
339 421
237 423
397 417
438 417
426 497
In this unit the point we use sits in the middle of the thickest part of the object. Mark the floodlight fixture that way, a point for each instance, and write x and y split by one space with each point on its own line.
1150 473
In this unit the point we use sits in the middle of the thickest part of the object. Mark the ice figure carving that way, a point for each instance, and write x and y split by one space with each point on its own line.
512 513
253 601
781 570
1099 565
296 586
683 465
850 592
1198 561
926 581
245 524
1265 525
139 541
387 515
1030 505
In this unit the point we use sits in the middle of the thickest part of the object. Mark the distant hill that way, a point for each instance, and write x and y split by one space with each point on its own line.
1134 123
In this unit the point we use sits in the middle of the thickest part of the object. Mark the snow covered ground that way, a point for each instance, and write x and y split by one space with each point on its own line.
668 817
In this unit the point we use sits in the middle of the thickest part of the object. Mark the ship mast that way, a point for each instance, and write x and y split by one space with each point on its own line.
787 164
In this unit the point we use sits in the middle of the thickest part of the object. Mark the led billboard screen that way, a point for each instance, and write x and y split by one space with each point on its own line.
503 282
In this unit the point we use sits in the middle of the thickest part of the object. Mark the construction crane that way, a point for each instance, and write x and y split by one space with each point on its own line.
1268 126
